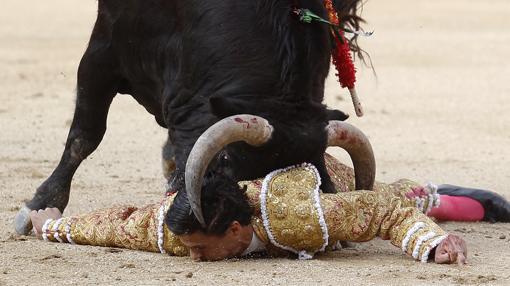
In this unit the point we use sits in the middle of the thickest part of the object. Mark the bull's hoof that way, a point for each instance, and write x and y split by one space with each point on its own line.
22 222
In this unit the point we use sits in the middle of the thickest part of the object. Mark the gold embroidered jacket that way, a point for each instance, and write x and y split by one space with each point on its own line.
291 215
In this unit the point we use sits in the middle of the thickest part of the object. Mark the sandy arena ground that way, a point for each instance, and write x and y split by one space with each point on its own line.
438 110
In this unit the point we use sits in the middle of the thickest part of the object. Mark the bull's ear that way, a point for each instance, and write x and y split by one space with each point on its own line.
224 107
335 114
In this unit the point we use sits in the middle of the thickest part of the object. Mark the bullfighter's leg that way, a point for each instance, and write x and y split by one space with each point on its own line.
97 86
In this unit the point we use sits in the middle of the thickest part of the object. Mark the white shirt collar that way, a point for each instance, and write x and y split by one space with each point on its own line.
256 245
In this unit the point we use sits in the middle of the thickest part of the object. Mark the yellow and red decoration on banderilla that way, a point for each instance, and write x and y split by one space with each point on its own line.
341 55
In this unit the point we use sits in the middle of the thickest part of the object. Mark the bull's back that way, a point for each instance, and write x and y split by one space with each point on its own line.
256 46
256 50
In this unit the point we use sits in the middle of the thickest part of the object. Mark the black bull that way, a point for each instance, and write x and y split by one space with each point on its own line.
191 63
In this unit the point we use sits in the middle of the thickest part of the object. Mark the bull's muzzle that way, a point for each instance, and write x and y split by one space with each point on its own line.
251 129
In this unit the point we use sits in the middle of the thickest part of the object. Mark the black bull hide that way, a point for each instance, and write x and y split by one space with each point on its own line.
191 63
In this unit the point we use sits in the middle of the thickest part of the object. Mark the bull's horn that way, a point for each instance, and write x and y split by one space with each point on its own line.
251 129
351 139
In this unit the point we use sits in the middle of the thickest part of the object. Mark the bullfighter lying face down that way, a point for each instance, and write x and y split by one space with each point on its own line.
284 214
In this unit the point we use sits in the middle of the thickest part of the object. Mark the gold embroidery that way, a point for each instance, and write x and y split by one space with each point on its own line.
293 219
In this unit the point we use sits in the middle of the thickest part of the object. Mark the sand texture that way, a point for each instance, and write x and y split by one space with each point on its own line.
437 111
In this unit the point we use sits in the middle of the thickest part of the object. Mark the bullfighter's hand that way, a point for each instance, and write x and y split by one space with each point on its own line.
39 218
451 250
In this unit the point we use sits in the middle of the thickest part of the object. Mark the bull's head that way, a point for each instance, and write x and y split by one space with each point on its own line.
257 131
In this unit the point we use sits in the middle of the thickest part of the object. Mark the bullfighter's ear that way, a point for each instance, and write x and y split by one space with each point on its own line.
224 107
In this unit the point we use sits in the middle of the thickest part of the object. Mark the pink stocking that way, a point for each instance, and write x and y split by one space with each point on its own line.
454 208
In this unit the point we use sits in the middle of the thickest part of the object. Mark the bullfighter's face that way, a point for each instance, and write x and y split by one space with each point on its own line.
210 247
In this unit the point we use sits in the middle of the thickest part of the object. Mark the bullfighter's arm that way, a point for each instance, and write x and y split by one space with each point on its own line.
125 227
364 215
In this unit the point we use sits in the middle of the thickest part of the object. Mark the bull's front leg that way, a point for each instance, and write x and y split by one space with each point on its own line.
184 128
168 159
173 175
175 154
96 89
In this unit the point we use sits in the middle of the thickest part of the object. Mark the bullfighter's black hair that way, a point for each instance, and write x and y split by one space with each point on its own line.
223 202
